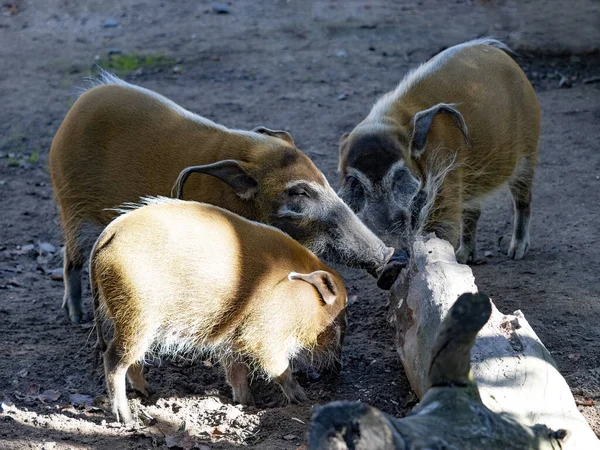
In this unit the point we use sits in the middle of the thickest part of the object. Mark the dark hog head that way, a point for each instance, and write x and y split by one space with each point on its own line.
286 190
384 178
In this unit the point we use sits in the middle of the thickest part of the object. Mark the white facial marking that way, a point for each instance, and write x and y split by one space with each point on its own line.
360 176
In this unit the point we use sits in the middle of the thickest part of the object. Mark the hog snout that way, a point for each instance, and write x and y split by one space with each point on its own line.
374 271
390 272
349 241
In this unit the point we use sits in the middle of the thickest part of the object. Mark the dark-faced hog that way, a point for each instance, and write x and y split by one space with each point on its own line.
178 276
455 129
120 142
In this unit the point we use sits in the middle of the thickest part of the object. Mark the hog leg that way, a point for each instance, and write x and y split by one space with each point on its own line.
446 214
115 369
135 375
467 251
73 264
279 369
237 376
520 188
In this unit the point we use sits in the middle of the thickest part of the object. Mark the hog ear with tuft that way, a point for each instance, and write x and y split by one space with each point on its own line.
422 123
322 281
342 147
281 134
231 171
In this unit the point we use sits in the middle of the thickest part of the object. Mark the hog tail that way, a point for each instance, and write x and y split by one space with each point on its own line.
101 343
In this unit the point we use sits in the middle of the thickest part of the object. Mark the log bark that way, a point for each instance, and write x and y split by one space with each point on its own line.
514 372
450 415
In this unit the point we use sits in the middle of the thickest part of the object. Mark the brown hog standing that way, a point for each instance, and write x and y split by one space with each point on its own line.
180 276
412 164
120 142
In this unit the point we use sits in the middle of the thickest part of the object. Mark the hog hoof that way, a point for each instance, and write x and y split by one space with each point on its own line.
295 395
298 398
124 417
75 318
144 392
464 255
517 250
246 400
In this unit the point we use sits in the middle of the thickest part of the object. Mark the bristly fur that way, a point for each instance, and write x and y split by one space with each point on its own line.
422 71
128 207
106 78
435 180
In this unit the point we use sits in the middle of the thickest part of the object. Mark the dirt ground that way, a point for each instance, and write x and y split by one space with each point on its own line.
313 68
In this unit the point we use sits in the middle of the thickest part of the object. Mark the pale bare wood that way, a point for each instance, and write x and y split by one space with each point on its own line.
515 373
450 415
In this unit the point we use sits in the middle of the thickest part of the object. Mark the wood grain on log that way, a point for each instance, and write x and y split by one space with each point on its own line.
513 370
450 415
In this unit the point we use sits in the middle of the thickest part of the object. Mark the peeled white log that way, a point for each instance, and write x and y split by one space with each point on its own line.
451 415
513 370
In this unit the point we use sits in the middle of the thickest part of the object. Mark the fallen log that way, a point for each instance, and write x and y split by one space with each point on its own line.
514 372
451 415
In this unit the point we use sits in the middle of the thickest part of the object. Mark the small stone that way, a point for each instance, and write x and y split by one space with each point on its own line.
27 248
22 373
57 274
341 54
115 51
220 8
7 406
48 445
111 23
564 82
46 247
342 96
177 69
488 254
290 437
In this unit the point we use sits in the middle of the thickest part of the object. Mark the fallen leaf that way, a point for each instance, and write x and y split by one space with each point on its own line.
574 357
217 432
46 247
14 282
81 400
43 260
181 440
34 390
7 406
68 408
49 395
585 402
11 9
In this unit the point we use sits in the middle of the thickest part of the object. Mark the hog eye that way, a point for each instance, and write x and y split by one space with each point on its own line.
298 191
